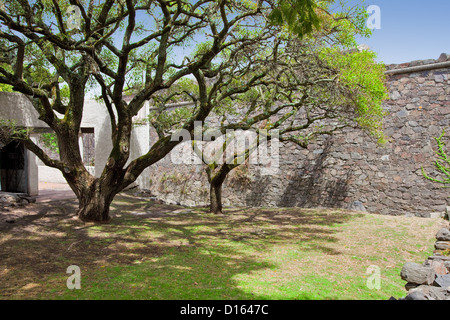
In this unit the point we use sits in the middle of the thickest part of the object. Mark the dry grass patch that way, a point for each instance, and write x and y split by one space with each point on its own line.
154 251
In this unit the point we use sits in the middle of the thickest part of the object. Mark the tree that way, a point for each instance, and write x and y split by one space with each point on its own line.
220 161
442 163
316 86
55 51
300 16
317 103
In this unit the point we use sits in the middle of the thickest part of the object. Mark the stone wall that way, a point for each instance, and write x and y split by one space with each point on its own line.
348 167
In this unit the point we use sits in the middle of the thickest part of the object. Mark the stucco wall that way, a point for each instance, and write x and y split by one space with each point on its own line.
15 106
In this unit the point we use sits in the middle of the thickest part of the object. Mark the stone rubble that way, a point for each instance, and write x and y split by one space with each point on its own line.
430 280
12 200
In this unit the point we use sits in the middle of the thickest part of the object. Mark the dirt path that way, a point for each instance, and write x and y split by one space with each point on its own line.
54 191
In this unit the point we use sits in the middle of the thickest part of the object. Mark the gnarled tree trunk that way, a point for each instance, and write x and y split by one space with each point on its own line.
94 207
215 190
94 198
215 198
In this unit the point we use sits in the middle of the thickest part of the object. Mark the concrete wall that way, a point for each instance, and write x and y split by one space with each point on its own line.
33 173
140 145
17 107
52 175
349 167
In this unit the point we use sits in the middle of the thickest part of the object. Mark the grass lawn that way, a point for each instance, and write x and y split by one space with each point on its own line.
154 251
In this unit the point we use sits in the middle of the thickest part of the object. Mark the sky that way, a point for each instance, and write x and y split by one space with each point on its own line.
410 30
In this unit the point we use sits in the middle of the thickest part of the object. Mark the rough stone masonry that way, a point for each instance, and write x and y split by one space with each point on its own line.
349 167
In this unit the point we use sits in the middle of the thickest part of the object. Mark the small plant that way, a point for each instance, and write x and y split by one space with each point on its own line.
167 179
50 141
9 131
442 164
171 178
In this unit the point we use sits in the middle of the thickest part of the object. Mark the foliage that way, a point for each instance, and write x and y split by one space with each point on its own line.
5 88
9 131
365 81
50 141
248 62
299 16
442 164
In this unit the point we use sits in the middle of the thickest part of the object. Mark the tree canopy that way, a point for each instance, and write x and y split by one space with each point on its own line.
255 60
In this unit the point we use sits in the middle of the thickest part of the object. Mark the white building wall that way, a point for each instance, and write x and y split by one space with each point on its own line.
16 106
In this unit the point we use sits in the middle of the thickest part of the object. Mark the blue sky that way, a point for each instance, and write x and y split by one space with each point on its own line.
410 30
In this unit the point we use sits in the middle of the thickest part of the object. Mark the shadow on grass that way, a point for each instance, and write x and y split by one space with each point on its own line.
153 251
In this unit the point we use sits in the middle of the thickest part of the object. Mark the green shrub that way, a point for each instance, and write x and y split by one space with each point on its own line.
442 164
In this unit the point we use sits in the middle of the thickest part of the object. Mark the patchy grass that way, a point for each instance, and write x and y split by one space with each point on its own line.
152 251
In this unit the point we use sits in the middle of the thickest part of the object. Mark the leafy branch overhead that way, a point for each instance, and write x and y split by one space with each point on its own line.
300 16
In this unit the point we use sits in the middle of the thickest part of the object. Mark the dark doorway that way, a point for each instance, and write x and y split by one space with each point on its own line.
13 177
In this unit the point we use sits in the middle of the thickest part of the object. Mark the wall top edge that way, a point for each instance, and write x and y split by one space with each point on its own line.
419 65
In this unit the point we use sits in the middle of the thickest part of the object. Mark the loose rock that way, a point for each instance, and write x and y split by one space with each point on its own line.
438 266
417 273
443 281
357 206
443 234
431 280
442 245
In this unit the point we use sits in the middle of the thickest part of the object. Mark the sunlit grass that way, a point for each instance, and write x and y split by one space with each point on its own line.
246 254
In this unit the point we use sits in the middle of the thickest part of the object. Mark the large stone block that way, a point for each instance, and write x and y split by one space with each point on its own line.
443 281
443 234
438 267
417 273
442 245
